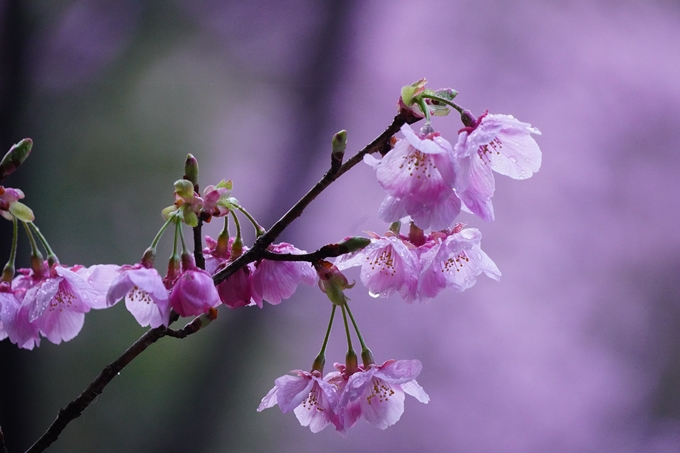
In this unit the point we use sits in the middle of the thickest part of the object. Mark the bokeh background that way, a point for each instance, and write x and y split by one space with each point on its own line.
577 349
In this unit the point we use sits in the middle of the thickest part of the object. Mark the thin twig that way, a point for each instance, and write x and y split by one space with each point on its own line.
380 144
78 405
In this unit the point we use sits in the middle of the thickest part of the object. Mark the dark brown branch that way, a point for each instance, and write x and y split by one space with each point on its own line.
327 251
78 405
380 144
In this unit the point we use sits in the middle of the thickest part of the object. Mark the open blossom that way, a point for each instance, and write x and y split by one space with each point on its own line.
145 295
418 175
377 392
194 292
454 261
14 318
490 143
388 265
57 300
311 398
274 281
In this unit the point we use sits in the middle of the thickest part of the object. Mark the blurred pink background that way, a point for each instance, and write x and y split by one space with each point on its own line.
577 349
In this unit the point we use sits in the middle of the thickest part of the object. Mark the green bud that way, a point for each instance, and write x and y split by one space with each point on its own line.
339 143
191 169
16 155
353 244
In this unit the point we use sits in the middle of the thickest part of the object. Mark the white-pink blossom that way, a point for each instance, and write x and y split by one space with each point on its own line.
311 398
145 295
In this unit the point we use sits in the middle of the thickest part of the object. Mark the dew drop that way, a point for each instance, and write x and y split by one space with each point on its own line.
373 295
513 158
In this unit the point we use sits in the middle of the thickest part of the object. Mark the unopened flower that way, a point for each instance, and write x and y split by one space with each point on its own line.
237 290
379 391
216 200
311 398
145 295
274 281
332 281
194 292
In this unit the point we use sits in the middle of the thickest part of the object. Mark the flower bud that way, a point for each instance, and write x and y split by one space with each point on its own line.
191 169
352 244
339 144
16 155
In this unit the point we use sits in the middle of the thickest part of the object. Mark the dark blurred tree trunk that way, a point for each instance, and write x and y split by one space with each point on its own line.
14 413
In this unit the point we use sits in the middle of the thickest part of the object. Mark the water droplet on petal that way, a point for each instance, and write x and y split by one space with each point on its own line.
373 295
513 158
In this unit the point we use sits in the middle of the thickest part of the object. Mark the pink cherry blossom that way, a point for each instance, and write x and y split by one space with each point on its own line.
380 391
489 143
237 290
99 277
194 292
418 175
388 265
311 398
274 281
215 254
454 261
14 317
57 300
145 295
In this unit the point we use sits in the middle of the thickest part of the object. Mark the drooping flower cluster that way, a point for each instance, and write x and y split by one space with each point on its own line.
51 301
375 392
429 180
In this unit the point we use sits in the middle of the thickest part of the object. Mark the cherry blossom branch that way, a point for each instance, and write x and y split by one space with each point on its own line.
327 251
76 407
380 144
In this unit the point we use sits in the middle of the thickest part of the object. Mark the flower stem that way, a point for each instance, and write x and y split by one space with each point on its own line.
259 231
8 270
154 243
51 257
320 359
444 101
356 328
237 245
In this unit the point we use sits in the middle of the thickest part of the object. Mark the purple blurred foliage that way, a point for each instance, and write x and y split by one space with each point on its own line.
83 41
